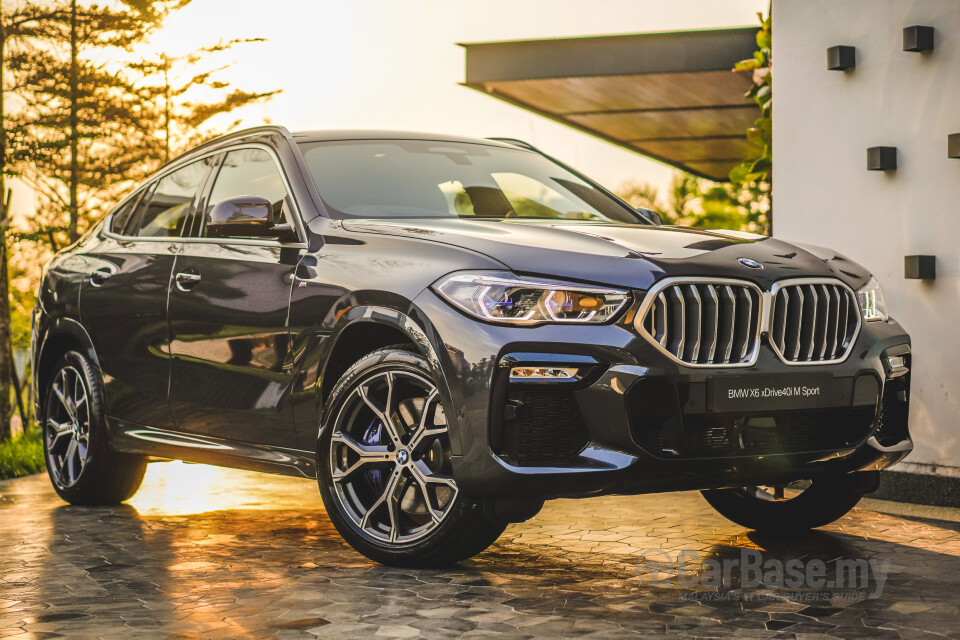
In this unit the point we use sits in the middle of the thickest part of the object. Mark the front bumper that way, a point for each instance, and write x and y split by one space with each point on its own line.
635 421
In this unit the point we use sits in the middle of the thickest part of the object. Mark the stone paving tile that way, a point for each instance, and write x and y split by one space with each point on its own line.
210 553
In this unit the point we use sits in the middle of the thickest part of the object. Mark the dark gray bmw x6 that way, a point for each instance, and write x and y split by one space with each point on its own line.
445 332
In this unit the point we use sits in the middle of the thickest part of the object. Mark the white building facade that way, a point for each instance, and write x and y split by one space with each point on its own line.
823 194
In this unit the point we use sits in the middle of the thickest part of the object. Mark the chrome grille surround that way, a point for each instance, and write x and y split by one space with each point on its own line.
825 328
703 322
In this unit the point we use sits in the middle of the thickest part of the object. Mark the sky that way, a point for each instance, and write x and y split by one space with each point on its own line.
395 64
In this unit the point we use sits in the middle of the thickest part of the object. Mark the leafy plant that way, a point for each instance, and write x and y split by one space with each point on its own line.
753 176
22 455
695 202
744 202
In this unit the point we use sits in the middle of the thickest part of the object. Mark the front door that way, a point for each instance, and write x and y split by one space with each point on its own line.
230 374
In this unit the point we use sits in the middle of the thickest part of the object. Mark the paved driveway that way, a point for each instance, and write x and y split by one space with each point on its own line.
205 552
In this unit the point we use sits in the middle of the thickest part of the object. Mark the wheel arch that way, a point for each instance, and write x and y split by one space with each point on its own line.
63 335
365 329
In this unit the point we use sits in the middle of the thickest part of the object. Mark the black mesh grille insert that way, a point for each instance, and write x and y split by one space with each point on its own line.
709 435
663 423
542 428
894 410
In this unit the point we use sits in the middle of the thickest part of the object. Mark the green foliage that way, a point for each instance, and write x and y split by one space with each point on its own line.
169 89
743 203
22 301
751 178
695 202
88 135
131 114
21 456
82 120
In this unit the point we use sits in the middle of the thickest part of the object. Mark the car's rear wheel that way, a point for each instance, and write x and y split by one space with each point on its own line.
81 465
385 467
797 506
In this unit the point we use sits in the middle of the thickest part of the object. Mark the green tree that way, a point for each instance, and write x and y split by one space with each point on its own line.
644 194
21 27
124 116
88 128
185 92
695 202
90 120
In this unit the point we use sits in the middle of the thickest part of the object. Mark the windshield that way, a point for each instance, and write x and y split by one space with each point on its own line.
435 179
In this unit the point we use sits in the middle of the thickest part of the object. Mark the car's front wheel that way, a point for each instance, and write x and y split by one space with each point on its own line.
82 466
793 507
384 467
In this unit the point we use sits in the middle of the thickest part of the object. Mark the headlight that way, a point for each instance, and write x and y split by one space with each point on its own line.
873 306
507 298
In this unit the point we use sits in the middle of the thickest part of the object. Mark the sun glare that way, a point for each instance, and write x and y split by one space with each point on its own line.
178 489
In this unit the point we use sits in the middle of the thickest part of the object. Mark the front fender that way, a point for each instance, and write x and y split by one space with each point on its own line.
416 328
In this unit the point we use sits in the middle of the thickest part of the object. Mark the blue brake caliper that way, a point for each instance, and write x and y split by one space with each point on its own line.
373 436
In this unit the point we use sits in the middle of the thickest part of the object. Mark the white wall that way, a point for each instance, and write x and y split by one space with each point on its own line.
823 194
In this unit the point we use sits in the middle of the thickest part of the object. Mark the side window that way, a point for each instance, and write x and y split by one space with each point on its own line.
122 216
171 203
194 224
250 172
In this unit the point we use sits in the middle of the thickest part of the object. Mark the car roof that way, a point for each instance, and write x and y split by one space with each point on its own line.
333 135
384 134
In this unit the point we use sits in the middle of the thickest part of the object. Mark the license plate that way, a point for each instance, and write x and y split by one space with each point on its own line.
783 392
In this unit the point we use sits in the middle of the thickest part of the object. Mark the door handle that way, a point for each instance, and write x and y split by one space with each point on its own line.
100 276
187 281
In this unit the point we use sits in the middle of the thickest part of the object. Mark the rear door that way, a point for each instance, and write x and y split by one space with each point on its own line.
123 304
229 303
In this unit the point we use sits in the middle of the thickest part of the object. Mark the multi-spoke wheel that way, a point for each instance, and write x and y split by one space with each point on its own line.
67 428
794 506
385 466
81 465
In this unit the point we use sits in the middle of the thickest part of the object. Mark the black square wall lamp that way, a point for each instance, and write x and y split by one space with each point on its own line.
882 158
953 145
919 267
918 38
841 58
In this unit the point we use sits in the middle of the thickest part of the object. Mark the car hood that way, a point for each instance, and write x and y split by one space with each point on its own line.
624 255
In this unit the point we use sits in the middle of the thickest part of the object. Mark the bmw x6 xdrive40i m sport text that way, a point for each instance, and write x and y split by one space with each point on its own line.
445 332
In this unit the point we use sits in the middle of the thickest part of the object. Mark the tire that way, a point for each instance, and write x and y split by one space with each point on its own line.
386 482
82 466
807 506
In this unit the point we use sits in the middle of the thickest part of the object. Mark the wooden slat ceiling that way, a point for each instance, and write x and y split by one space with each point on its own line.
669 96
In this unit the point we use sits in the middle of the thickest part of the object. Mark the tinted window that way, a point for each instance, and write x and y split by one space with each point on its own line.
423 178
170 206
123 215
192 227
250 172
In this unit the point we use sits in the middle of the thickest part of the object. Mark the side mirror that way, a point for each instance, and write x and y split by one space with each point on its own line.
244 217
650 216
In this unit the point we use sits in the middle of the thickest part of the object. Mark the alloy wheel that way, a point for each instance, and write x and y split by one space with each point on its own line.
389 458
67 427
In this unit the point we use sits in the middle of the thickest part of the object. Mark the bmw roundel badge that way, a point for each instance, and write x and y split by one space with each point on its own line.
751 264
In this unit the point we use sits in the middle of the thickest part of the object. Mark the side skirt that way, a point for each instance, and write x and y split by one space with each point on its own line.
161 443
